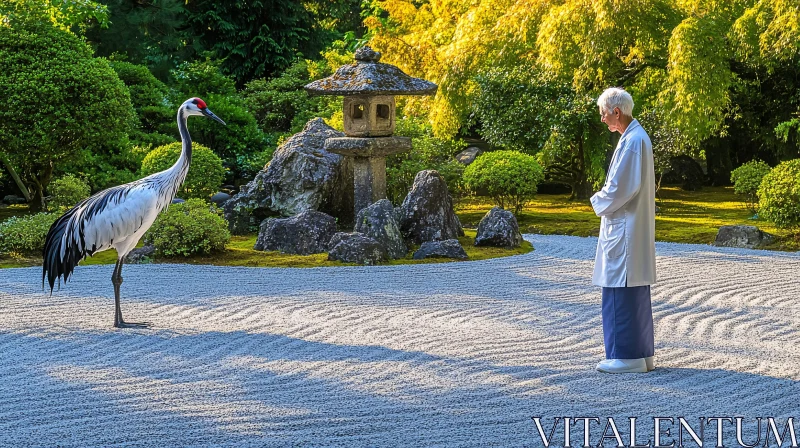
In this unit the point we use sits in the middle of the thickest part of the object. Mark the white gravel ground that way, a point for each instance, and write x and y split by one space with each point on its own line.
456 354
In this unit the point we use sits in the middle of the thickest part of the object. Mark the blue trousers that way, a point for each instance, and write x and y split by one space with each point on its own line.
628 322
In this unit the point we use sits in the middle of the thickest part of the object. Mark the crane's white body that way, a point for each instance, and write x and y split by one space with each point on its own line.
119 216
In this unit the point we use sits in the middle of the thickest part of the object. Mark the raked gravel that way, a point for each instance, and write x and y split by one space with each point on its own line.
452 354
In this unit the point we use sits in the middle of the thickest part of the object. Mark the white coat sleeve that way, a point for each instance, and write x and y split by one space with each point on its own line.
623 184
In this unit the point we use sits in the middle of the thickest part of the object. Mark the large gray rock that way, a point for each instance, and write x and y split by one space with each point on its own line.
301 176
356 248
749 237
378 221
441 249
427 211
306 233
498 228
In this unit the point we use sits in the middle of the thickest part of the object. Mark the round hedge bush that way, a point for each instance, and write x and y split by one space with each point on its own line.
779 195
205 172
25 234
66 191
194 227
746 180
509 177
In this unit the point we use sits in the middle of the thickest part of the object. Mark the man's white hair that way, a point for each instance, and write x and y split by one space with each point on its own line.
616 97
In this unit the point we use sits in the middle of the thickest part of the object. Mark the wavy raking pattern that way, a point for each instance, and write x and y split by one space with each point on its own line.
455 354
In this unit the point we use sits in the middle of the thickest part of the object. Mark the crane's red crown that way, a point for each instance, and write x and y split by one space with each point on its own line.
200 103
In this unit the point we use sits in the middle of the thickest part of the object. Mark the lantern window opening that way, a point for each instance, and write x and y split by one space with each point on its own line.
357 111
382 111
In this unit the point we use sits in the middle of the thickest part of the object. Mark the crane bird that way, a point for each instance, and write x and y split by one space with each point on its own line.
118 217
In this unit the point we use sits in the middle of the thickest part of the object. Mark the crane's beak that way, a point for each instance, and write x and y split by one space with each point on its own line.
210 114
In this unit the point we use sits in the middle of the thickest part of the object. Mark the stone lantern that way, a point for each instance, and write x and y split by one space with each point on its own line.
369 88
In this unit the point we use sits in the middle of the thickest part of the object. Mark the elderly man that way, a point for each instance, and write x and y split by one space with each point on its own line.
625 262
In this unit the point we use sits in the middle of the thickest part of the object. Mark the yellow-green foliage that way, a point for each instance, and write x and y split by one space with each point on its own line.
670 54
190 228
66 191
25 234
205 172
779 195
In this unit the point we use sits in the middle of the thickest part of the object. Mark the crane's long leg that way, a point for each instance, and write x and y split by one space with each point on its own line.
116 280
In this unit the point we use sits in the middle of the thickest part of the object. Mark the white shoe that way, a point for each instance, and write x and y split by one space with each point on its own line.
638 365
651 365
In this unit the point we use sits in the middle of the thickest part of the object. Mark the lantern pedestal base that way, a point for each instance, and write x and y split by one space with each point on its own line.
369 163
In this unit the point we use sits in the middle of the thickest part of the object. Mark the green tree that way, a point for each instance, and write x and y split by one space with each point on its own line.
60 103
238 143
280 104
529 113
429 153
253 39
148 32
709 66
668 142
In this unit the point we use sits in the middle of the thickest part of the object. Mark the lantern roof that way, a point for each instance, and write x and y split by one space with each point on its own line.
368 76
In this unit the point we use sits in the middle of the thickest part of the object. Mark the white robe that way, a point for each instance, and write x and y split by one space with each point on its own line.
626 250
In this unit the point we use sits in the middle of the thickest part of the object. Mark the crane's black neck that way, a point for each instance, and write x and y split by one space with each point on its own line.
182 165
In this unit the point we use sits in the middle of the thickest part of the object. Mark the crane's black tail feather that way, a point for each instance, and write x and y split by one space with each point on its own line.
62 238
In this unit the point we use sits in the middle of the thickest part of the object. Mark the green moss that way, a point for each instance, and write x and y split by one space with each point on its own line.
239 252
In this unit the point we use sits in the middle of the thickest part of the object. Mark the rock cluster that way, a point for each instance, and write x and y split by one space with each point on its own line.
378 221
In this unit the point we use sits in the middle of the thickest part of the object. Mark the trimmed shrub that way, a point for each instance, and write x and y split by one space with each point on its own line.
66 191
779 195
205 172
193 227
509 177
746 180
25 234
